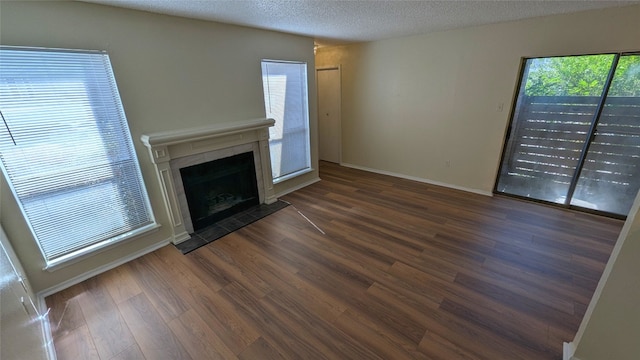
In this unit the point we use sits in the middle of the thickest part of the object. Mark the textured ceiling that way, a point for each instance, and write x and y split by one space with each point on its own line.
353 21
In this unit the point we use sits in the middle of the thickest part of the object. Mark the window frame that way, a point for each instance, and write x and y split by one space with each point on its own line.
90 244
603 97
306 121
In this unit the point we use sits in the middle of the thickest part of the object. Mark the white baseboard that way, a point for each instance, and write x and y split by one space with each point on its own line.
180 238
46 330
99 270
568 349
415 178
298 187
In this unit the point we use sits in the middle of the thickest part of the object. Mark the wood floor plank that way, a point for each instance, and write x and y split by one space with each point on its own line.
151 333
479 310
326 306
529 335
549 296
250 239
311 330
65 314
151 275
525 276
508 297
108 329
359 328
359 266
216 311
438 348
121 284
76 344
234 270
286 336
133 352
260 349
198 338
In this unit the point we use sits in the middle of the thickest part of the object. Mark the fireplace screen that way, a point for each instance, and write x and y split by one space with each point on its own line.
220 188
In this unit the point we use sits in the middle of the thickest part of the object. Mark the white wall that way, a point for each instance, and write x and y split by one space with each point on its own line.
411 104
611 326
172 73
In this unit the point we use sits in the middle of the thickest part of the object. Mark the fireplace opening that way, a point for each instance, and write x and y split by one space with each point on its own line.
220 188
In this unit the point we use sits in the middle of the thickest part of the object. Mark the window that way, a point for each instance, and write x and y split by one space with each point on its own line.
67 152
574 138
286 101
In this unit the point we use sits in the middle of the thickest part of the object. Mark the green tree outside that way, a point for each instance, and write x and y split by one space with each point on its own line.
582 76
626 81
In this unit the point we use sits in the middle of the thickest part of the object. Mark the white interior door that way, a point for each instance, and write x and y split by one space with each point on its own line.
329 117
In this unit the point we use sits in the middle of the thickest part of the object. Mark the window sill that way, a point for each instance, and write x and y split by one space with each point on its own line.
292 175
94 249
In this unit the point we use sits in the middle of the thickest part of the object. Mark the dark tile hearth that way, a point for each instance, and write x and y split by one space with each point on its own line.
229 225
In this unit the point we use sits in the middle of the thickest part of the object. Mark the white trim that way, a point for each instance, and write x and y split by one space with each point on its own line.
415 178
46 328
339 68
279 123
94 249
284 61
298 187
330 67
36 48
173 137
99 270
292 175
568 349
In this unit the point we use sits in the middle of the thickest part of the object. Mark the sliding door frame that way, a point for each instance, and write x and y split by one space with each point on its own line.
524 69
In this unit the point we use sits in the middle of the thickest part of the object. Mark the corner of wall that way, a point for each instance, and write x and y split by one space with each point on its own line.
568 349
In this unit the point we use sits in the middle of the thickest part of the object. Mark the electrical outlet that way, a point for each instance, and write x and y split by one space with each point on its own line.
500 107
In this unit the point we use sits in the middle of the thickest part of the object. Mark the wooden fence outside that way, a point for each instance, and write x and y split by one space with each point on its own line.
549 134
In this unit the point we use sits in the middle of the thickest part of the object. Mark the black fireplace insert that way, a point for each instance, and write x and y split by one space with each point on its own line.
220 188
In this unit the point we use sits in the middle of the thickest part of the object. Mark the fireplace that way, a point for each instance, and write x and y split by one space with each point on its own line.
217 189
183 151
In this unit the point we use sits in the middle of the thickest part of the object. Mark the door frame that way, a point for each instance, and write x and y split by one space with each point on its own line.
324 68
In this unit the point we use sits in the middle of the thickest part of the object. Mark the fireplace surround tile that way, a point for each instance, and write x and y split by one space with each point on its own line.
233 223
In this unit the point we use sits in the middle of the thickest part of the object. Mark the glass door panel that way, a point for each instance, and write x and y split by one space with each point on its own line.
610 178
555 108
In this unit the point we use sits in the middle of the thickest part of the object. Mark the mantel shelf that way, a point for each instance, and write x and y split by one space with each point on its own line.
174 137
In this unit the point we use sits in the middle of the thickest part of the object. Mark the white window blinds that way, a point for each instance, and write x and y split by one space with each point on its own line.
67 152
286 101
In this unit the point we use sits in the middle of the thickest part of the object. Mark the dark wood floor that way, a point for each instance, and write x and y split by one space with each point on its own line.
403 270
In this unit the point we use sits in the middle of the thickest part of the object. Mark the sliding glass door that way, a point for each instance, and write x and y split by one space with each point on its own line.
574 137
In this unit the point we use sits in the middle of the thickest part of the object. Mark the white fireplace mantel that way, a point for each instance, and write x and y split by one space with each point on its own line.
170 150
